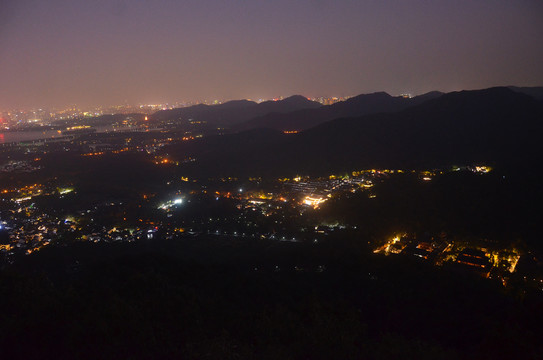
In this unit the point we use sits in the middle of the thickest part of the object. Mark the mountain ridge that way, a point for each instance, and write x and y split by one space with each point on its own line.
493 126
232 112
359 105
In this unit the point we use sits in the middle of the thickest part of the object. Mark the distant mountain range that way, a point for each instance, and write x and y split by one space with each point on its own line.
491 126
297 113
232 112
356 106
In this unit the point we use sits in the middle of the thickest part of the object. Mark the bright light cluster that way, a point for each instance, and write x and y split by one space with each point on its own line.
170 204
314 201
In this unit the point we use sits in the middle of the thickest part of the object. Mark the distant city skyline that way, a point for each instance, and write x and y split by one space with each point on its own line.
60 52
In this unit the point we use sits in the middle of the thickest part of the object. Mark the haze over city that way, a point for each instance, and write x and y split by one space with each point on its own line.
60 52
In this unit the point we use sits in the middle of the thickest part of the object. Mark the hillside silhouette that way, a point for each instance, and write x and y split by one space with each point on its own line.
357 106
232 112
497 126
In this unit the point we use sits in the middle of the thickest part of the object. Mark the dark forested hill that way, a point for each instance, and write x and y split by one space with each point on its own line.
495 125
201 299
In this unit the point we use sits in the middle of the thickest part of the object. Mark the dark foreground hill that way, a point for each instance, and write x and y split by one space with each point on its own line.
357 106
493 126
233 112
211 298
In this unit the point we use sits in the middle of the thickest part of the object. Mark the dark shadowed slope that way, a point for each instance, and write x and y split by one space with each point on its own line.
233 112
536 91
357 106
496 125
492 125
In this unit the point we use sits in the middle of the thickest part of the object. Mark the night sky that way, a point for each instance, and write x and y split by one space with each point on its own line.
59 52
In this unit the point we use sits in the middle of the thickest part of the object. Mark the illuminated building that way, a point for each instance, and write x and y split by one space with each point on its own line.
475 259
314 201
